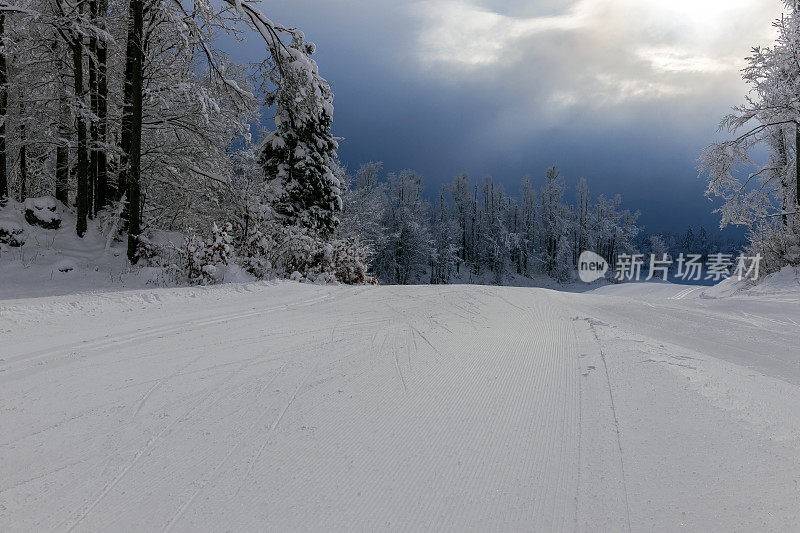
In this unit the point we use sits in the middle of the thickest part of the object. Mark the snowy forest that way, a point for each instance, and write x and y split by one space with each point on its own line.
122 119
476 231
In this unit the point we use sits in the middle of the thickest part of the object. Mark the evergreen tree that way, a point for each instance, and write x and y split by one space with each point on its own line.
299 156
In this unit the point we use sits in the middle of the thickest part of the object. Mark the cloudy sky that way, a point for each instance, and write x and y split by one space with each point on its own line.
622 92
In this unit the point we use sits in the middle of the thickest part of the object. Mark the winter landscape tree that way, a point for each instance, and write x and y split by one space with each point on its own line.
764 196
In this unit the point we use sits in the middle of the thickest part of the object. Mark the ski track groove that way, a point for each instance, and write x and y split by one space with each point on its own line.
210 476
616 422
274 425
149 446
157 332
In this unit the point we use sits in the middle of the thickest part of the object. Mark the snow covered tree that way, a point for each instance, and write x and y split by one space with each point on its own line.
464 211
554 220
299 156
446 232
765 197
3 109
658 247
405 255
493 236
614 230
527 232
364 204
582 215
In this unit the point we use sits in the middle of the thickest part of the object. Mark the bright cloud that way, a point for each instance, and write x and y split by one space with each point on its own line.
460 33
595 52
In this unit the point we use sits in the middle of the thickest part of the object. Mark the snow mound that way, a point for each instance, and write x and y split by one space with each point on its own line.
785 281
11 232
39 259
52 260
44 212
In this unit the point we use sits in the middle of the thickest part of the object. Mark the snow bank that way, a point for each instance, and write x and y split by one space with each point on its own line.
53 260
11 232
785 281
44 211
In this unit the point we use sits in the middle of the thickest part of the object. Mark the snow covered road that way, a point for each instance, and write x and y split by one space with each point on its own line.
296 407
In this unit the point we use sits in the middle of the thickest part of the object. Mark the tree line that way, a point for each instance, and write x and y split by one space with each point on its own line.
476 231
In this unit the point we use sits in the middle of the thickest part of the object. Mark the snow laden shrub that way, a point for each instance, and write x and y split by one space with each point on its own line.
298 253
207 260
11 233
347 260
158 255
43 212
11 228
778 245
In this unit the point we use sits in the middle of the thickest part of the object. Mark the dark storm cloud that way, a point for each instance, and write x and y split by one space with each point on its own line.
623 92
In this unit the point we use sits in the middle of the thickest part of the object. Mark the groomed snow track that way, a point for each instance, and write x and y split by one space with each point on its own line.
294 407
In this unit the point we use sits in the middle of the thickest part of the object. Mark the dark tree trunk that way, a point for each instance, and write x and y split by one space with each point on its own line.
23 154
82 199
784 170
797 165
3 104
62 148
92 63
134 105
127 113
101 193
62 173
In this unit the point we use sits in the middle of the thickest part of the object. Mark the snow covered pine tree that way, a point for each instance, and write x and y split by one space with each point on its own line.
299 156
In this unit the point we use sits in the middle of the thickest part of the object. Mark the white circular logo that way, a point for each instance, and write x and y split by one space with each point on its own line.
591 266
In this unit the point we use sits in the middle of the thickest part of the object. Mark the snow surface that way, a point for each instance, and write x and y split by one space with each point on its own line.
287 406
56 262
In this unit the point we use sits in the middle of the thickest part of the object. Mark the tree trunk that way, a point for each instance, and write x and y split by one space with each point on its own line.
127 113
101 193
92 63
62 148
784 173
23 154
797 165
133 83
62 173
82 199
3 104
